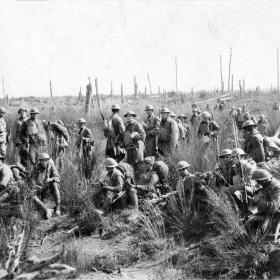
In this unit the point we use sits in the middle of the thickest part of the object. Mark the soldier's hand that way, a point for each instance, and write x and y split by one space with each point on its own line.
49 180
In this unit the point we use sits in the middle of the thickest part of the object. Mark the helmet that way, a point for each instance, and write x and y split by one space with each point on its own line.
21 109
115 107
110 162
2 110
261 175
81 120
206 114
248 124
149 160
43 156
149 107
172 115
2 156
262 116
130 113
182 165
225 152
181 116
164 110
237 152
239 109
34 111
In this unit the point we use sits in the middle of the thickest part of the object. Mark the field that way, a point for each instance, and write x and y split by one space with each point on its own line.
154 244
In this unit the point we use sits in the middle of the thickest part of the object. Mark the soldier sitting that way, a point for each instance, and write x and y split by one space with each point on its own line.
114 188
45 178
224 169
154 180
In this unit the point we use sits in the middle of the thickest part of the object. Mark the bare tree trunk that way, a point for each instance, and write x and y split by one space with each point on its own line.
229 68
112 89
277 69
221 74
149 83
231 82
165 97
51 92
243 88
122 97
135 89
3 87
97 93
80 94
145 91
88 97
240 88
176 74
192 92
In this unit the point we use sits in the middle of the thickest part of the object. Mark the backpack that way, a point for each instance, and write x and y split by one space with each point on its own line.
127 172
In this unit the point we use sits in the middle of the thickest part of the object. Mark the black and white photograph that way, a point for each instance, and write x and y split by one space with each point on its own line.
139 139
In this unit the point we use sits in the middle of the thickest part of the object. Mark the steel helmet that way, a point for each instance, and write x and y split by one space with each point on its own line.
149 108
237 152
149 160
44 156
182 165
34 111
2 110
130 113
172 115
81 120
164 110
261 175
262 116
181 116
21 109
225 152
248 124
110 162
2 156
206 114
115 107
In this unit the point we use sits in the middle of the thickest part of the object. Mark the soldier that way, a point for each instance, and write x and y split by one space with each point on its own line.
232 112
224 169
263 125
244 109
180 127
276 107
85 146
208 128
253 141
60 141
239 118
154 180
15 135
194 106
268 199
33 138
247 116
114 132
3 132
45 178
113 188
134 138
183 120
208 108
168 133
152 124
194 190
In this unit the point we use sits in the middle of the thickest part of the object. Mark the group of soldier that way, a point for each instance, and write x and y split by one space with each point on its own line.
137 159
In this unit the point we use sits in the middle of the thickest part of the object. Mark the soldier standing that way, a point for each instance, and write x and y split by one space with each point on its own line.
16 129
183 120
224 169
85 146
253 141
114 131
3 132
263 125
33 138
208 128
239 118
152 124
180 127
168 133
45 178
134 138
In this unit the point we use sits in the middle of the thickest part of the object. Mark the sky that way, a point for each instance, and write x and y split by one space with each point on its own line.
69 41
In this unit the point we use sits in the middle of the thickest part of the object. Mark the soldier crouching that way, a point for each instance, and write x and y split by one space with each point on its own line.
45 177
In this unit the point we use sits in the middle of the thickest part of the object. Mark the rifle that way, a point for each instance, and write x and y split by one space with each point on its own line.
162 197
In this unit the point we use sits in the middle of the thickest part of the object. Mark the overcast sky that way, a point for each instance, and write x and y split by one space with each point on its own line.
67 41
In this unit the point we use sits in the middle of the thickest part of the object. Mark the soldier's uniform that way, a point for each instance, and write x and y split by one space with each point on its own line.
33 138
208 128
41 187
254 142
85 146
168 136
3 136
155 179
195 118
152 130
15 137
134 138
239 118
114 132
263 125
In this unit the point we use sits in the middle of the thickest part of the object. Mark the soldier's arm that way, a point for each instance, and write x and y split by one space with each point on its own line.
121 126
155 130
258 154
151 185
23 133
7 175
215 126
118 184
54 175
174 136
140 130
87 136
